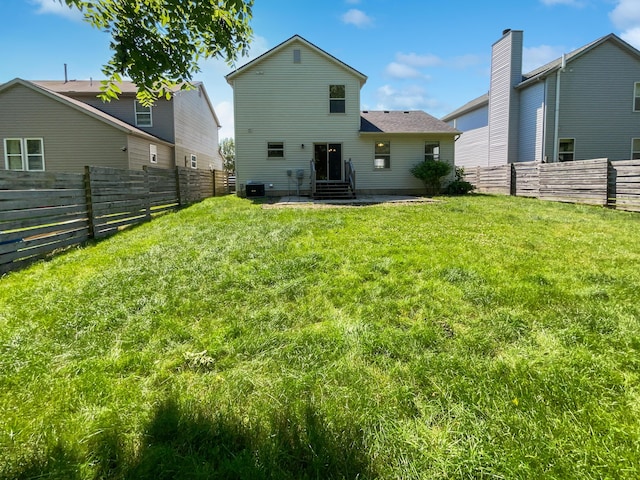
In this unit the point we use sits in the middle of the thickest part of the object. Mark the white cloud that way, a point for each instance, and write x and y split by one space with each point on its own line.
632 36
399 70
534 57
413 97
224 111
571 3
358 18
464 61
626 17
353 2
56 8
420 61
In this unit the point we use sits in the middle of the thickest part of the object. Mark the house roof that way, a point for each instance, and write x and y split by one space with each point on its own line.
295 39
93 87
544 71
414 121
84 108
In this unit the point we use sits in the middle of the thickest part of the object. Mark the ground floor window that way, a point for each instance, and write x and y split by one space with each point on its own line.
566 149
275 150
153 153
635 149
382 158
24 154
194 161
432 151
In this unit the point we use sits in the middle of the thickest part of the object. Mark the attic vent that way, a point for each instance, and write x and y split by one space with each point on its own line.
297 57
365 111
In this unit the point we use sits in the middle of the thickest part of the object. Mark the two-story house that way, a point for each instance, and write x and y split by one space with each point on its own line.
63 126
583 105
299 128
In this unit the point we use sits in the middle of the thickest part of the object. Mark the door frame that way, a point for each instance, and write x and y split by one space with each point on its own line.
328 146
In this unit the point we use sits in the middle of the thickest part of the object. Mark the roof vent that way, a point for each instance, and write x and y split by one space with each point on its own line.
365 111
405 111
386 111
505 31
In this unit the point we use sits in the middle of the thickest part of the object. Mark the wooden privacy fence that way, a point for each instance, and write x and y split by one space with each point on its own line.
41 212
615 184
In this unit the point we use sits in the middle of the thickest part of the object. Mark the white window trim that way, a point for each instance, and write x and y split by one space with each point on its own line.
636 95
283 150
153 153
194 160
573 152
136 112
434 156
344 99
382 156
24 154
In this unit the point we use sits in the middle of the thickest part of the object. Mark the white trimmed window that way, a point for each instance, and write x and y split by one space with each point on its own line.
153 153
143 115
24 154
194 161
636 97
432 151
566 149
275 150
382 158
635 149
337 99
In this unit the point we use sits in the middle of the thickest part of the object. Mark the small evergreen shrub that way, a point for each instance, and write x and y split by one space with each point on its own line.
431 172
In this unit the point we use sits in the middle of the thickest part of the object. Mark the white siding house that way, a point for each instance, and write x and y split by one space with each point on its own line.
580 106
297 114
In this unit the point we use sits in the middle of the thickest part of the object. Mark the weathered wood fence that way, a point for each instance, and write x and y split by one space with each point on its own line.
615 184
41 212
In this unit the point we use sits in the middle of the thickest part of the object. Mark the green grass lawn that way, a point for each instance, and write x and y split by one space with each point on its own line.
477 337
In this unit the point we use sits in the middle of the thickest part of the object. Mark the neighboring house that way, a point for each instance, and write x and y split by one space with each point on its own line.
297 114
63 126
583 105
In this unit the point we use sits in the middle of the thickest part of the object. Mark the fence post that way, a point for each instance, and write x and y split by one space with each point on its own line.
89 200
512 180
215 187
178 189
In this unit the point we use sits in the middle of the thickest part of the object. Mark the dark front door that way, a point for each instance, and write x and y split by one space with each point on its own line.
328 161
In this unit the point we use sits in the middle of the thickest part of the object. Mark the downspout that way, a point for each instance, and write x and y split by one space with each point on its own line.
556 127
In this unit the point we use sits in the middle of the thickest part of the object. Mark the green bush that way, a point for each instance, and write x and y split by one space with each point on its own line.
459 187
431 172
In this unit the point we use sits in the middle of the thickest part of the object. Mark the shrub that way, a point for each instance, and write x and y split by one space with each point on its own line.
459 187
430 172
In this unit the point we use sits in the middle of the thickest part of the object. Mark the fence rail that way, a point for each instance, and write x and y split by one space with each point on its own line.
615 184
41 212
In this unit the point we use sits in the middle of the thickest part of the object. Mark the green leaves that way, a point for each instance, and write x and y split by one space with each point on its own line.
158 43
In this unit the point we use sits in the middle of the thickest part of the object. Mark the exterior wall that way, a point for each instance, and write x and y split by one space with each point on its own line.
470 121
472 148
71 138
124 109
139 154
277 100
596 103
196 130
531 128
406 151
506 73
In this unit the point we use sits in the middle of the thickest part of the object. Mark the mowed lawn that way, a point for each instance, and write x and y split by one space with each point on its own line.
475 337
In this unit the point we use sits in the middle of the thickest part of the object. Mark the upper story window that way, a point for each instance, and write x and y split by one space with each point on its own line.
635 149
24 154
275 150
566 149
382 159
143 115
636 97
432 151
337 99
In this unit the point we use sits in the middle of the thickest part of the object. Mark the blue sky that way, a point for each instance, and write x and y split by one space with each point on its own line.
424 54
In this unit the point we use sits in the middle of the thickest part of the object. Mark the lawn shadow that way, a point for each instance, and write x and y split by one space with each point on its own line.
181 442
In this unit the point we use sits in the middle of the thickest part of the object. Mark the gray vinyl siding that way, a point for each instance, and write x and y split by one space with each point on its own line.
532 110
472 148
71 138
471 120
139 154
506 72
596 106
196 130
124 109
